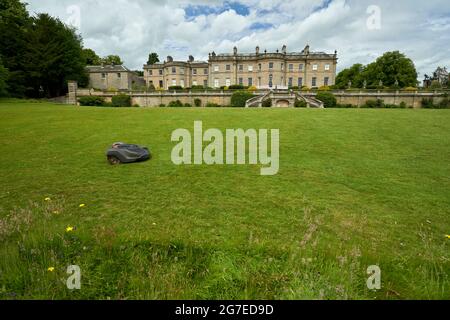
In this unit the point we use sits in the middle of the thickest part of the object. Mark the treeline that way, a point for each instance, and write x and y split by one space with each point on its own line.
391 70
39 54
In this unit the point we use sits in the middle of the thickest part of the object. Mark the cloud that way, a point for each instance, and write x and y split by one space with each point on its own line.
134 28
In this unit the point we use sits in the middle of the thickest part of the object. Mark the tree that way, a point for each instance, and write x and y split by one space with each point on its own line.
14 25
91 58
3 79
153 58
353 75
54 56
328 99
392 68
112 59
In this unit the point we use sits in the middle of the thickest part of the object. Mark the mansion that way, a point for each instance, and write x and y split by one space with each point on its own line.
263 70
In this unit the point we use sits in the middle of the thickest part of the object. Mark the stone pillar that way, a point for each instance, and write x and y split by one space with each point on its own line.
72 94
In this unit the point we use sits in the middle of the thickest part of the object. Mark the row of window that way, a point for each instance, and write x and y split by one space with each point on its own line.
291 67
174 70
119 75
326 82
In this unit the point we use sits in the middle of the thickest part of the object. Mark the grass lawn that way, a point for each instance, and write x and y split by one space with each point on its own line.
355 188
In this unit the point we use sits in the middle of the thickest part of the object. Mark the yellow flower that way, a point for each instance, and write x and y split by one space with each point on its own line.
69 229
82 205
447 236
47 199
51 269
56 212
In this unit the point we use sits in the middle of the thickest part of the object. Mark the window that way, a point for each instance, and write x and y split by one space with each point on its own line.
103 75
325 81
270 81
314 67
241 81
182 83
327 67
150 82
216 68
161 83
205 71
250 68
282 66
182 70
194 83
259 81
241 67
300 82
270 65
150 72
205 83
174 82
194 71
300 66
216 83
290 82
174 70
160 72
250 82
259 66
291 67
314 82
228 82
228 67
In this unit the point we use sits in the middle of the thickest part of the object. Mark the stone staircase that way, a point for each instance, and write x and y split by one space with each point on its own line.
283 99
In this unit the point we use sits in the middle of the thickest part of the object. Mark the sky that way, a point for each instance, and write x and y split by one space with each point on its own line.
359 30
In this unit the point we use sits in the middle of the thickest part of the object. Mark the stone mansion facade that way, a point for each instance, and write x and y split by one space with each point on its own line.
260 69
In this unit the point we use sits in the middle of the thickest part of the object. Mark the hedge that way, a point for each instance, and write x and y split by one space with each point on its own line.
328 99
121 100
91 101
239 98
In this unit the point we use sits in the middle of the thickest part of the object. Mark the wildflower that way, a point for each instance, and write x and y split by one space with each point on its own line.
82 205
69 229
447 236
56 212
51 269
47 199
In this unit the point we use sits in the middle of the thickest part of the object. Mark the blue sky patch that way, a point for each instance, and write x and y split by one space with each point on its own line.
193 11
261 26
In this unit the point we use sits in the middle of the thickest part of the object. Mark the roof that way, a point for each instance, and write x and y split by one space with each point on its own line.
108 68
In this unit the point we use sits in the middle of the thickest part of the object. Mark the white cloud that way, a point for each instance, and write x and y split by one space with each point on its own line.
133 28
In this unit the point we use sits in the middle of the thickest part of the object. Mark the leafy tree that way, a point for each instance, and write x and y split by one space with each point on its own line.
91 58
391 68
112 59
353 74
3 79
328 99
239 98
153 58
14 24
54 56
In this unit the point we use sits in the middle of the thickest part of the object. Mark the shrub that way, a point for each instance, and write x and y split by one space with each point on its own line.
294 88
252 88
410 89
91 101
175 104
305 88
198 88
445 102
267 103
239 98
112 89
162 105
300 103
236 87
187 105
172 88
403 105
328 99
324 88
121 100
427 103
136 106
197 102
212 105
373 104
435 85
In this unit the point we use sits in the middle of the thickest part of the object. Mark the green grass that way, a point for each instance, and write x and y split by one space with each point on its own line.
355 188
